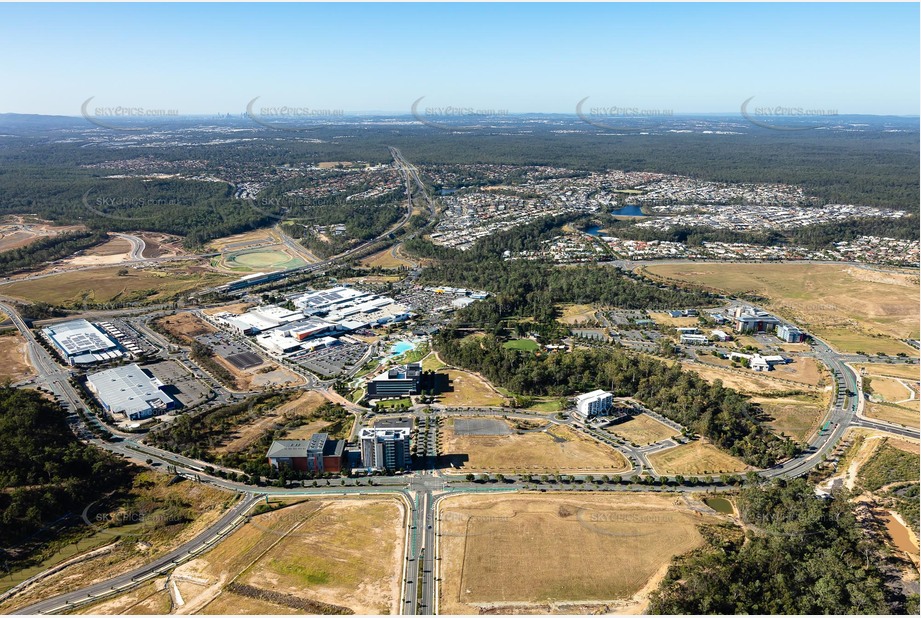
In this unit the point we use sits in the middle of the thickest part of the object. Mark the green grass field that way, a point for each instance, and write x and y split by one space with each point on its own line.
524 345
431 363
261 259
395 403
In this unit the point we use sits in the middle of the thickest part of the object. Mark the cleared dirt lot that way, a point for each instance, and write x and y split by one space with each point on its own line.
902 414
103 285
743 380
695 457
235 308
573 314
666 320
161 245
258 377
346 552
795 416
514 553
469 390
642 429
15 364
803 370
303 406
555 449
185 325
391 257
909 372
891 389
17 231
112 251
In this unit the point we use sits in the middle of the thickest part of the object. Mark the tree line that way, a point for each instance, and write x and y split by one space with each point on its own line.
721 414
45 250
800 555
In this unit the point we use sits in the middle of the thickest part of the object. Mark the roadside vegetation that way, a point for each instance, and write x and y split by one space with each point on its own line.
892 474
799 555
46 474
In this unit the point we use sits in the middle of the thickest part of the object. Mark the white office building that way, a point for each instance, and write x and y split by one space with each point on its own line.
590 405
385 449
694 339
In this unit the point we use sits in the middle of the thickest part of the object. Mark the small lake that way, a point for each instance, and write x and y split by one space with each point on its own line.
628 211
446 191
593 230
720 505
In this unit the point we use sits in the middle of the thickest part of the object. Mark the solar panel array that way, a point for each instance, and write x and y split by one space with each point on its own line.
79 336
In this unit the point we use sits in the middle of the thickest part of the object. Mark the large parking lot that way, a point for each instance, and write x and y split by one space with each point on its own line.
222 344
127 337
179 383
423 301
331 361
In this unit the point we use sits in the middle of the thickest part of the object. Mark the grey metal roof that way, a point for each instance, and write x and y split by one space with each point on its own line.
288 448
128 389
79 336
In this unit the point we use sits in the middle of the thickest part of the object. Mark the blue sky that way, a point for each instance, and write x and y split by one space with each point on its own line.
687 58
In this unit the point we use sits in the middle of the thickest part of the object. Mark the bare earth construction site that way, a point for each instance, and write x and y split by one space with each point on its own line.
514 554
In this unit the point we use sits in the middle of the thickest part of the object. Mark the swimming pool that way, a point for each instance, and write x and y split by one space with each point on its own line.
401 347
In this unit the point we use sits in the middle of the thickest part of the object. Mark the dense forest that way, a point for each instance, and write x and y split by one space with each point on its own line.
361 223
721 414
48 249
525 289
46 474
800 555
196 210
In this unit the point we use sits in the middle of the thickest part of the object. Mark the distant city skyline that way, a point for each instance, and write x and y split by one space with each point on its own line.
674 59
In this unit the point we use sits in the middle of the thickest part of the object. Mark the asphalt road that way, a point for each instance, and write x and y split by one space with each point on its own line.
90 594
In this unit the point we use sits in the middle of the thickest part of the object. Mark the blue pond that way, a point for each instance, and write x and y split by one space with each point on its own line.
628 211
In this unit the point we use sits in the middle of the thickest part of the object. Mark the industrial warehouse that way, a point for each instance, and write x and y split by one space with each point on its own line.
81 343
131 391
